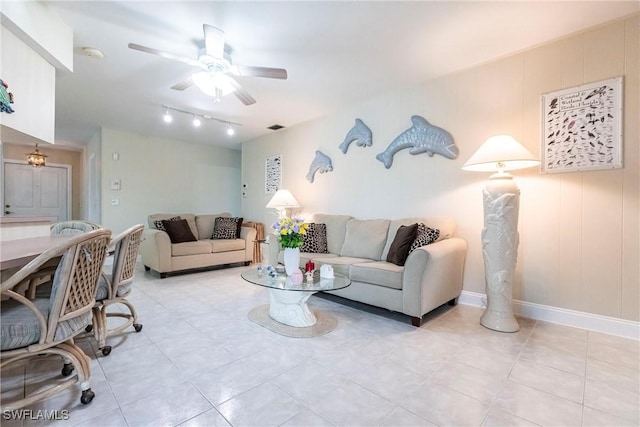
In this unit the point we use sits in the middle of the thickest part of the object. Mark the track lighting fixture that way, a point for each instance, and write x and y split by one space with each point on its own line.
197 118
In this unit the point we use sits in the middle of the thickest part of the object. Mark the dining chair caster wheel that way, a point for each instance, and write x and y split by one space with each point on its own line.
106 350
137 327
67 369
87 396
89 328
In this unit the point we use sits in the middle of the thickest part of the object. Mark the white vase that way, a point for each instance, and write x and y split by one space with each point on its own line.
291 260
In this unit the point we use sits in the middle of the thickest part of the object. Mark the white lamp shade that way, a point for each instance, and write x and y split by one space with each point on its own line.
500 152
283 199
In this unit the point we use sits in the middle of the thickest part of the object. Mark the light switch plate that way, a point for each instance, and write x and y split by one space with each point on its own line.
115 184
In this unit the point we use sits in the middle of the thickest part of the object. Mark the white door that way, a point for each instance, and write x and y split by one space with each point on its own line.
30 191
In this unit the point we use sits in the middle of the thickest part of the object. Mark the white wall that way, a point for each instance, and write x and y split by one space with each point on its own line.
165 176
580 232
32 81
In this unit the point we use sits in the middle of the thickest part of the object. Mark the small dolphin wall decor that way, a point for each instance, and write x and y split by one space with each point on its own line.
422 137
359 133
321 163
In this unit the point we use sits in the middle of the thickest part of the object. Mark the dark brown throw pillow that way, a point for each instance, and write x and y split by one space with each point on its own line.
179 231
399 250
239 222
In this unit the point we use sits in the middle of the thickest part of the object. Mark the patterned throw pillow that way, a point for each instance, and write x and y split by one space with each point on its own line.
424 236
315 241
160 226
226 228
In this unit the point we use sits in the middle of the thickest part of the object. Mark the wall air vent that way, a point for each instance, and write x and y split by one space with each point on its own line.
275 127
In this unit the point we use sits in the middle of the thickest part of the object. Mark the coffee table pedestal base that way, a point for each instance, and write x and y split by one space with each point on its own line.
290 308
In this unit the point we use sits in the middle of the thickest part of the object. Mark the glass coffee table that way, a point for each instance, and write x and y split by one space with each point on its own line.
288 301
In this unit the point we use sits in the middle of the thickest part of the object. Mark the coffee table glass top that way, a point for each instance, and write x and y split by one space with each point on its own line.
282 281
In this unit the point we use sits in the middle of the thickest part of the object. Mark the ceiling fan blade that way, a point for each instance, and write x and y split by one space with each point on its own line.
271 73
240 93
183 85
213 41
167 55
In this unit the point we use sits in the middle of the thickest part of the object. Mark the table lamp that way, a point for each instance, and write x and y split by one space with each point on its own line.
281 201
500 233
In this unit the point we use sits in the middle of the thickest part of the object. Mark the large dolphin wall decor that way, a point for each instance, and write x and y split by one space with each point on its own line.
359 133
422 137
321 163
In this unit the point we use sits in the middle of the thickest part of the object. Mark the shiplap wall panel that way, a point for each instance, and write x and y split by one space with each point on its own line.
631 177
579 230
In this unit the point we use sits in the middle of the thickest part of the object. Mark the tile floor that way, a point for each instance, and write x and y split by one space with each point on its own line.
200 362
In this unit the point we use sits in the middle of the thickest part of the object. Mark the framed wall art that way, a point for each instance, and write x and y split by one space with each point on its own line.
582 127
272 174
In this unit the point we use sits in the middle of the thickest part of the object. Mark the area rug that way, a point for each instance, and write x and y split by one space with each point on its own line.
325 324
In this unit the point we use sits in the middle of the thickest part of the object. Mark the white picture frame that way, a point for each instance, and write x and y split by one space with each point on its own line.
272 174
582 127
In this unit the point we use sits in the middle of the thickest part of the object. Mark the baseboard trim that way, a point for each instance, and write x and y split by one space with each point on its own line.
578 319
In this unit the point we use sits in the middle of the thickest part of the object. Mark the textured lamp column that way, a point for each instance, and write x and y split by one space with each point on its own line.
283 200
500 233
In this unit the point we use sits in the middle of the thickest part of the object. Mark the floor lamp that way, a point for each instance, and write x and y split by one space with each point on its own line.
500 233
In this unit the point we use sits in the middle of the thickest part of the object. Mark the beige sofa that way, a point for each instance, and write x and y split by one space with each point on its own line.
431 276
164 257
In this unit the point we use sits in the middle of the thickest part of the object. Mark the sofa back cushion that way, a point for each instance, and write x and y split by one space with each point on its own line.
365 238
336 229
205 223
191 220
446 226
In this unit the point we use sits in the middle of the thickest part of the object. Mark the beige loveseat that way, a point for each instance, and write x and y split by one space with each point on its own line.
159 254
432 274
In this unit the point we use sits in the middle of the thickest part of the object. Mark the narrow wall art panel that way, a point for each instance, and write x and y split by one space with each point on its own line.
272 174
582 127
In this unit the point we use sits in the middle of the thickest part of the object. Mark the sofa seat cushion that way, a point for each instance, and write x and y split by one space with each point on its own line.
191 248
341 264
379 273
226 245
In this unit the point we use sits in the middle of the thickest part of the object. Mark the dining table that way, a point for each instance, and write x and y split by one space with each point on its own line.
15 254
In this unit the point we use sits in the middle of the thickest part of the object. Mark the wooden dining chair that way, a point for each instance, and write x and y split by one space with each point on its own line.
43 276
115 287
34 329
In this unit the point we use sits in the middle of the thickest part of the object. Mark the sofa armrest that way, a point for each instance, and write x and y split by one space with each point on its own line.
249 235
156 250
433 276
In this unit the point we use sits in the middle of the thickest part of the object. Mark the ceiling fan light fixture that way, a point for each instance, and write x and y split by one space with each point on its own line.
167 116
208 82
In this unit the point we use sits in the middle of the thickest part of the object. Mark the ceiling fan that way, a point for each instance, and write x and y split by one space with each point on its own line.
216 65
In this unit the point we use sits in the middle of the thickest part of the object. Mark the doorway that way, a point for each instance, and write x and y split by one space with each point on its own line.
44 191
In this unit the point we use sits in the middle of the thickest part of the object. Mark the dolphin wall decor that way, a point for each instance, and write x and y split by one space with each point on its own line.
422 137
321 163
359 133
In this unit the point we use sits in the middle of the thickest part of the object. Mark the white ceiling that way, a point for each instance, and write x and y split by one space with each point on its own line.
336 53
